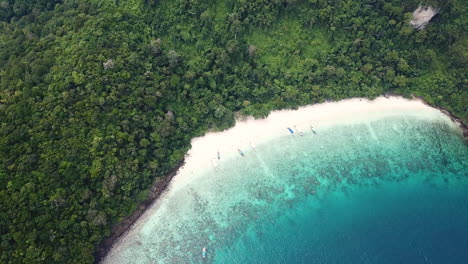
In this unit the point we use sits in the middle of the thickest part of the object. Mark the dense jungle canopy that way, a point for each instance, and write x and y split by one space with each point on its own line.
99 98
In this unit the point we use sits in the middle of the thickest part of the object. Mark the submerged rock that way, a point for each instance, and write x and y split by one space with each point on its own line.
422 15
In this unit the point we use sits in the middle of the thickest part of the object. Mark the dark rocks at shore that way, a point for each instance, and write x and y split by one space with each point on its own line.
159 186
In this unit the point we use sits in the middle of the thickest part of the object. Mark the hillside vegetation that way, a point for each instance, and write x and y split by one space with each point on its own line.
99 98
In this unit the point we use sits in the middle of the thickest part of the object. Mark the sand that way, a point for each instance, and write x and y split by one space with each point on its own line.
245 135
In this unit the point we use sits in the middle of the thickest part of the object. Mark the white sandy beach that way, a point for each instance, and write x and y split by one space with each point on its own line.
249 133
252 132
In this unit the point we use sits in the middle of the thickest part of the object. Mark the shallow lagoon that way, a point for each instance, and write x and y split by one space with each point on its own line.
394 190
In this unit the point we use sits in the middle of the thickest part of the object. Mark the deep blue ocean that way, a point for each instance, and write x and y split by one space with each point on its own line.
412 221
388 191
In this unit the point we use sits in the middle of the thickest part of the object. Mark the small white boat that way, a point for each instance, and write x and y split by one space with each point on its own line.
204 252
299 131
312 128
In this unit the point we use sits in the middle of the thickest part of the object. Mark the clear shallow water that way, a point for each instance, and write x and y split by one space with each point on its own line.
389 191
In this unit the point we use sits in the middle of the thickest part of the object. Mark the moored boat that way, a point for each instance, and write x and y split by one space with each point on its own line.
312 128
241 152
299 131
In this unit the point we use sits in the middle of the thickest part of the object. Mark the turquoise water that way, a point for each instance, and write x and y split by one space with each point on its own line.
390 223
388 191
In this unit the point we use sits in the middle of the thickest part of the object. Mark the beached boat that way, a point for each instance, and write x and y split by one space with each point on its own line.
291 131
204 252
299 131
241 152
312 128
219 155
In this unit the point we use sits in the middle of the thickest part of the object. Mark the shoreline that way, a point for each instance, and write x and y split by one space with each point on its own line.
457 120
161 184
452 117
158 188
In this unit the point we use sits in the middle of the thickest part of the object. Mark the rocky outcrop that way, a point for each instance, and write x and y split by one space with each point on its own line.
422 15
